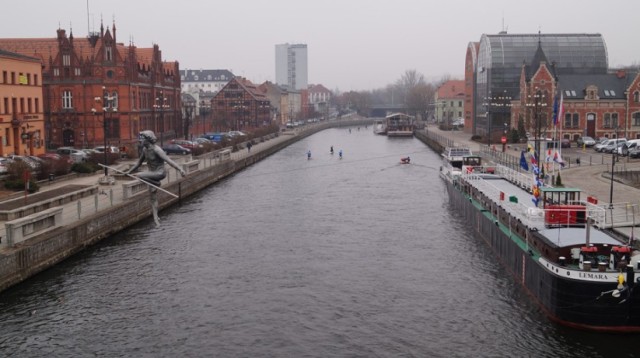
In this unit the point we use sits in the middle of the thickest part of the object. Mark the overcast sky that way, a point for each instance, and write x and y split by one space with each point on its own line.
352 44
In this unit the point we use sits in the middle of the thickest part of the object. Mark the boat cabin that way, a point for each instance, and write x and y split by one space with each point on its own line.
400 125
562 207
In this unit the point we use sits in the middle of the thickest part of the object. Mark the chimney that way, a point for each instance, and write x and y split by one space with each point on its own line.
621 73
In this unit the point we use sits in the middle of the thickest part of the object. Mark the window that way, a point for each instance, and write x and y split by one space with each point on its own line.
607 120
56 72
567 120
35 80
108 53
114 100
459 103
576 120
67 99
66 60
614 120
636 118
77 71
636 96
37 105
5 78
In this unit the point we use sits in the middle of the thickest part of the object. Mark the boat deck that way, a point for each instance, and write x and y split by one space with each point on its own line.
517 200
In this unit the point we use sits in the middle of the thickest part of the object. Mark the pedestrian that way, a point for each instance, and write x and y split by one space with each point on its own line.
308 154
249 145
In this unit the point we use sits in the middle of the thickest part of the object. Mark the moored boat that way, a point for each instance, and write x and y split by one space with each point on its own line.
399 125
556 246
379 127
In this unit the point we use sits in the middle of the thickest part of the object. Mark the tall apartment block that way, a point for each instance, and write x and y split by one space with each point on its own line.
291 65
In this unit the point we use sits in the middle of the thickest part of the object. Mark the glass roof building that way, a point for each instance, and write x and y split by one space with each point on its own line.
501 57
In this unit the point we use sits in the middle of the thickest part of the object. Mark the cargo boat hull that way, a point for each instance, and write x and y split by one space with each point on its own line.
570 297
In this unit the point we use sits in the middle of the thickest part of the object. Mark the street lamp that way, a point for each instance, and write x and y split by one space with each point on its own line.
108 106
613 163
188 111
537 104
161 105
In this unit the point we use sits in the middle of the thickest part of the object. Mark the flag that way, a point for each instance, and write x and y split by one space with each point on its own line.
558 159
561 107
534 158
555 111
523 161
548 158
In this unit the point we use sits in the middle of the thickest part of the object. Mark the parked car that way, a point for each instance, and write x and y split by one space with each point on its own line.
613 145
76 155
202 141
634 152
55 157
216 137
186 143
110 149
586 141
4 165
30 162
234 134
565 143
608 143
176 149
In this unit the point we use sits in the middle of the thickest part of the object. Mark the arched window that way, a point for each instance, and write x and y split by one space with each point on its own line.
636 96
636 118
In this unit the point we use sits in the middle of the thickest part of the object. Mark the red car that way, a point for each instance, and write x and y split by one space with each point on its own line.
186 143
55 157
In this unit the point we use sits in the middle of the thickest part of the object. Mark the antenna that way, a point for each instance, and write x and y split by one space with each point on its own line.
88 24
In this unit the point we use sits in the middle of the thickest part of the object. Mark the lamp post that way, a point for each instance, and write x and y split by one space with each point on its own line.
161 105
108 106
537 103
613 163
188 112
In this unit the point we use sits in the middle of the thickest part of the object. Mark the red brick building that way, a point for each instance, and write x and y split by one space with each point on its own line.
240 106
596 105
95 87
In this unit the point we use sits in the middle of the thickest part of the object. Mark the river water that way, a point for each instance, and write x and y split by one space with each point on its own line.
328 257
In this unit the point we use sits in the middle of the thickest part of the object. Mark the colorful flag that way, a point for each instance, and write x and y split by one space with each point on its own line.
523 161
534 158
558 159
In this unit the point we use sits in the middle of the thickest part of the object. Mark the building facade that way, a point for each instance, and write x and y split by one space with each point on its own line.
96 90
204 80
497 69
319 99
21 105
449 102
240 106
291 66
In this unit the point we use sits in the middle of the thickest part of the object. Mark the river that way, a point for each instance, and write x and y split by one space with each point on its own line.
327 257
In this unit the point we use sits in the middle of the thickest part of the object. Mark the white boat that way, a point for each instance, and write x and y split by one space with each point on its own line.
379 127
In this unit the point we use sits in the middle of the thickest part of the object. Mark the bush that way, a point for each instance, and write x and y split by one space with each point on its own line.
85 167
15 177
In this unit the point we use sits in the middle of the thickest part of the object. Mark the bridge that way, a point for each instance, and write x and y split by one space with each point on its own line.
381 110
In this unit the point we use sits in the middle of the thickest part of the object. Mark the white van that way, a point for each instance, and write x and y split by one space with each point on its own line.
612 145
624 150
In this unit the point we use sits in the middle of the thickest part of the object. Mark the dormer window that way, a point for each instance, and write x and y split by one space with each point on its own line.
66 60
108 53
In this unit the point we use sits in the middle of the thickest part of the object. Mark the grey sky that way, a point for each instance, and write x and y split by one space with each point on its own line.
352 44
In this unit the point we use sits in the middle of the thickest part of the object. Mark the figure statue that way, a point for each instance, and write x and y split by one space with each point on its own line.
155 157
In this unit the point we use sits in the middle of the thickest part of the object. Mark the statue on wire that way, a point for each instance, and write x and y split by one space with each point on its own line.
155 157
